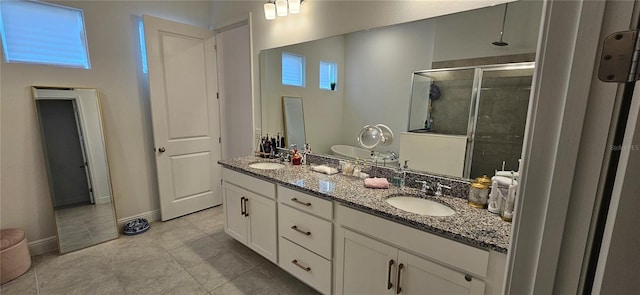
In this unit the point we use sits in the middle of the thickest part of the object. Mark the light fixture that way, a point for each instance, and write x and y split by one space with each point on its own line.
294 6
270 11
281 7
275 8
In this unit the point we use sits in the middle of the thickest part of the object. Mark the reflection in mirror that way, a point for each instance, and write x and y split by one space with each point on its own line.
485 106
293 119
375 75
77 167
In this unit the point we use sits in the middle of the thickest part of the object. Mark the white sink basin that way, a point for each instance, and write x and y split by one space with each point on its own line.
420 206
266 166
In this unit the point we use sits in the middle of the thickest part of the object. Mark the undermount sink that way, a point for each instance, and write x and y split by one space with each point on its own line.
420 206
266 166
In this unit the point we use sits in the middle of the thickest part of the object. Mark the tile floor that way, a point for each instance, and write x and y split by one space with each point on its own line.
187 255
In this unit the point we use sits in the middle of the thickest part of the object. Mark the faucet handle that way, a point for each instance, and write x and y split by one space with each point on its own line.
425 187
439 187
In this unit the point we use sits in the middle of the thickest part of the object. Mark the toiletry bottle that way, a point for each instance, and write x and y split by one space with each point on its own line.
282 145
296 159
356 168
348 168
278 140
403 174
395 180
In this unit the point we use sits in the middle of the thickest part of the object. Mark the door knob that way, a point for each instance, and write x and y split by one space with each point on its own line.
161 150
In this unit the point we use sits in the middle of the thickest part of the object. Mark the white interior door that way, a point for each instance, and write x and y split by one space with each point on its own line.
184 109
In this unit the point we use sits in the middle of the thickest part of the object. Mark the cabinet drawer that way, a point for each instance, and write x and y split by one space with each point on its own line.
305 202
308 267
305 230
250 183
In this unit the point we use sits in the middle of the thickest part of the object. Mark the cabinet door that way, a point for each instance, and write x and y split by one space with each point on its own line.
235 222
421 276
366 265
262 226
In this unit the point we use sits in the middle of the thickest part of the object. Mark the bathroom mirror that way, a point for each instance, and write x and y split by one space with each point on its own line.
375 73
77 166
293 120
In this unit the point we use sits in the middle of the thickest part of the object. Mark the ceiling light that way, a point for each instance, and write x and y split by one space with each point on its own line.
294 6
270 11
281 7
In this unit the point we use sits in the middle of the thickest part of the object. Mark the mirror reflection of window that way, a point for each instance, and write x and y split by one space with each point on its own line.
293 69
328 75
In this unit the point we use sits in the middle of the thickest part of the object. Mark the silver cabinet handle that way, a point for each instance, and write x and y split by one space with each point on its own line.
295 261
306 233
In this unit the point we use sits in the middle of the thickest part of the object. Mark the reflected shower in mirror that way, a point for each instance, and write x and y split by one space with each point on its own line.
77 166
293 119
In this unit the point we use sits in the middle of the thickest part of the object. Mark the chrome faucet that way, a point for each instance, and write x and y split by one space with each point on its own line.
439 188
393 155
425 187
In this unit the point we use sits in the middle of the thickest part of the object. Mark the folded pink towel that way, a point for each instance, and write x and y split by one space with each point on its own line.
376 183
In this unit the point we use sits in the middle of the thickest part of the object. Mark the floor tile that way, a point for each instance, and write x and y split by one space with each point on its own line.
177 236
218 270
177 283
253 258
286 280
22 285
197 251
61 274
108 285
250 283
135 274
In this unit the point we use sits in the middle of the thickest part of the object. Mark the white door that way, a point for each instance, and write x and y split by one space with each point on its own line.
421 276
262 226
367 266
184 109
235 222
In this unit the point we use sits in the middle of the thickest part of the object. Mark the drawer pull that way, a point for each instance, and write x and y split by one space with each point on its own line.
295 261
398 288
301 203
306 233
389 284
242 206
245 207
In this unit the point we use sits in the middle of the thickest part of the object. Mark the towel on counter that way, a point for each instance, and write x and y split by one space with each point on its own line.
376 183
324 169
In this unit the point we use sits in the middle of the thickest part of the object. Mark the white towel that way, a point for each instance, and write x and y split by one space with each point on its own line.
324 169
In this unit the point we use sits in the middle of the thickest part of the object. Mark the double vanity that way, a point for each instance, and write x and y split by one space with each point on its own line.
339 237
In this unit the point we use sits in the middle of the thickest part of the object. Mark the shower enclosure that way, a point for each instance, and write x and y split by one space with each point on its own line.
487 104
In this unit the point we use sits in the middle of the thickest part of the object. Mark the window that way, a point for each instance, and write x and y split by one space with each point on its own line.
292 69
43 33
143 47
328 75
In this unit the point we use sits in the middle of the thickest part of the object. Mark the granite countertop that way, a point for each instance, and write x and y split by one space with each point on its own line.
471 226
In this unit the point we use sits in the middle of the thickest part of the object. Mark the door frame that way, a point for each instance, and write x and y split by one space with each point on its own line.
569 127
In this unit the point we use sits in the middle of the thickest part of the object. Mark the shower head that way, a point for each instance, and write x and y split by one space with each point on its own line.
500 43
504 19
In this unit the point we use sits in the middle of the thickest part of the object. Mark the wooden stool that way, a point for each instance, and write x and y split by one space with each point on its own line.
14 257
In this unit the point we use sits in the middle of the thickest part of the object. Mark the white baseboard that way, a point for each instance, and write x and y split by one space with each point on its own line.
150 216
43 245
103 200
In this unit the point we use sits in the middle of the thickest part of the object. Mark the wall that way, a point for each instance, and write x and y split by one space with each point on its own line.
379 66
462 36
112 33
321 107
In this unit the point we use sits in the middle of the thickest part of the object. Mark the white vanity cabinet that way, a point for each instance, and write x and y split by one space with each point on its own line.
250 212
306 237
376 256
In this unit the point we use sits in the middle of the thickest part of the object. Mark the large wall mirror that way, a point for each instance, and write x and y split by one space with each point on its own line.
77 167
375 82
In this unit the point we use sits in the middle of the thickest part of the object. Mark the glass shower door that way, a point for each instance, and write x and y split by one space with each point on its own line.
502 104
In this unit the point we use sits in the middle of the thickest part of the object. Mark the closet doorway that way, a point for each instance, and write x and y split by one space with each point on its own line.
65 151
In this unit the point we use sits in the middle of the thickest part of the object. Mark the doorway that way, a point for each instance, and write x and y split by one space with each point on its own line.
64 149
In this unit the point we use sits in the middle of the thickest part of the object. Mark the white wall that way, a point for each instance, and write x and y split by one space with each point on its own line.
379 67
322 108
462 36
112 33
